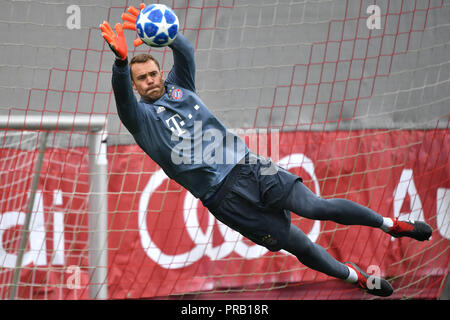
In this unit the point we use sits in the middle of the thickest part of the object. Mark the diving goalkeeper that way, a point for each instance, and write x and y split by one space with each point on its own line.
245 191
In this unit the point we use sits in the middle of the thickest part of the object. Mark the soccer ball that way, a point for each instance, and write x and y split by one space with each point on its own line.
157 25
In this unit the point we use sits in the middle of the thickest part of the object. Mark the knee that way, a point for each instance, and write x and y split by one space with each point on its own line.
299 244
307 248
305 251
324 209
316 208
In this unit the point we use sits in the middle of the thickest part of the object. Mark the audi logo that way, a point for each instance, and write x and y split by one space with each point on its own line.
233 241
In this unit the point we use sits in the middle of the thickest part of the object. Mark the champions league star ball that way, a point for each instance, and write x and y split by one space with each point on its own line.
157 25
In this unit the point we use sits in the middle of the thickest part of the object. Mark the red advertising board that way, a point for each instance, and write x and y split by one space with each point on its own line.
162 241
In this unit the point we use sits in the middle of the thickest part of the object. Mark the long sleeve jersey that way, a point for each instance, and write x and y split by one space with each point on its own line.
178 131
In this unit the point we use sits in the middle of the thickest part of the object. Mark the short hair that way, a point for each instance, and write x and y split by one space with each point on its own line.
142 58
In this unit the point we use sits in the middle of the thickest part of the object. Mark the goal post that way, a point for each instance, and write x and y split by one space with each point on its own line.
95 126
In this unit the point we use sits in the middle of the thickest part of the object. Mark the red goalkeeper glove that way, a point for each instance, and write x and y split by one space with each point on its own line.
117 43
130 21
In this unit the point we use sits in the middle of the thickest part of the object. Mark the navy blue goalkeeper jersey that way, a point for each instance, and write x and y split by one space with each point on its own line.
178 131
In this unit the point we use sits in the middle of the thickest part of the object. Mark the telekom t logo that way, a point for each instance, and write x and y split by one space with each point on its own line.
176 124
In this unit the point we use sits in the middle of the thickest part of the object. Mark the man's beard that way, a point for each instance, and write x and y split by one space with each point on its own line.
154 94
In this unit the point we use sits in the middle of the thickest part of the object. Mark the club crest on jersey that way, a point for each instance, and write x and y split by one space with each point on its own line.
177 94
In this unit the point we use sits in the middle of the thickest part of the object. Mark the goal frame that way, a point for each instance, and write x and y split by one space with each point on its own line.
95 126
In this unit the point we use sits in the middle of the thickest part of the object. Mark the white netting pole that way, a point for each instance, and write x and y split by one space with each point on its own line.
26 226
98 216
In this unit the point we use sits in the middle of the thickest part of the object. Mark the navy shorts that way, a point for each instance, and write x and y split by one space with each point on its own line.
250 201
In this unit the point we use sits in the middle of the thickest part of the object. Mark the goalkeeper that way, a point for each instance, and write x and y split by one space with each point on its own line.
243 190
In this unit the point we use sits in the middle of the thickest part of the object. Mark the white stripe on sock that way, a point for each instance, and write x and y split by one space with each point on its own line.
388 223
352 275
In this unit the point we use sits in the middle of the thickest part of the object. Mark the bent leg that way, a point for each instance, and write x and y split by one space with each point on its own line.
305 203
313 255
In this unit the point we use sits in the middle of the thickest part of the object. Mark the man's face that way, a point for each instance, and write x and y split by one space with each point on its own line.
147 80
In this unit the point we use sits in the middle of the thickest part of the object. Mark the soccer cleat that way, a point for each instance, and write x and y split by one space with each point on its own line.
418 230
377 286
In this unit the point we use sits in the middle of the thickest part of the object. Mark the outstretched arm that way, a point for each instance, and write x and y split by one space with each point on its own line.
183 70
127 106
